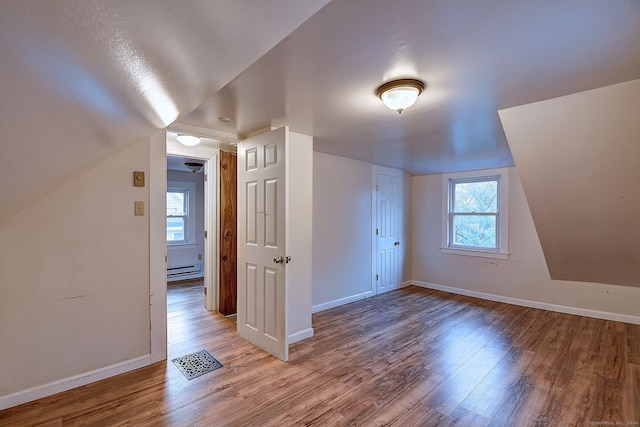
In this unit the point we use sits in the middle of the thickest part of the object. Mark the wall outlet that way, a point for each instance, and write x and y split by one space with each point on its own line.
138 208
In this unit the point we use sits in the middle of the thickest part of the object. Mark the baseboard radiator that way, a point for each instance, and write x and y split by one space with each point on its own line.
185 270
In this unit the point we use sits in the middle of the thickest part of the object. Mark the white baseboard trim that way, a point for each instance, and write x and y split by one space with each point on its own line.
302 335
341 301
405 284
617 317
65 384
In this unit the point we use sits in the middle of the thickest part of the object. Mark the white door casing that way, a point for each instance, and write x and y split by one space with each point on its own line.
387 201
261 242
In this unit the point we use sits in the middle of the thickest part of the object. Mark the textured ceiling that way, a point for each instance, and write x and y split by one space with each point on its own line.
476 58
82 79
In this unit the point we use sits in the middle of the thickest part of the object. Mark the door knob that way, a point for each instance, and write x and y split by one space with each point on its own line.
396 244
278 260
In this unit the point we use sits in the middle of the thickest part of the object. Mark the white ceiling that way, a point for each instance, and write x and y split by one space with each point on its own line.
476 58
82 79
176 163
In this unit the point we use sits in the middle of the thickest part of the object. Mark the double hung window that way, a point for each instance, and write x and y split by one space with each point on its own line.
476 213
177 216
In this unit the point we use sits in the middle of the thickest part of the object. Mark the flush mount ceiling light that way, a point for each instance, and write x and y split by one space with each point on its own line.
188 140
398 95
195 167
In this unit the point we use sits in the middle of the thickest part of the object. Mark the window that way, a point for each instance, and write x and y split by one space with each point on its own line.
476 214
177 216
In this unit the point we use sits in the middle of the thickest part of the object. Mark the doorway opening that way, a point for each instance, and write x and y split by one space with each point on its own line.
208 152
185 219
208 156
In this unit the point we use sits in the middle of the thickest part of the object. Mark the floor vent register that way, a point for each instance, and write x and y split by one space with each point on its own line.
195 364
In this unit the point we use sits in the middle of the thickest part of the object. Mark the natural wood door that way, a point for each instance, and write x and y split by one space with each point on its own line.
388 211
261 242
228 232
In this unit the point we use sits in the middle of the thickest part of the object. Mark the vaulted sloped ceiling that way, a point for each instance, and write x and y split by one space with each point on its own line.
80 79
578 158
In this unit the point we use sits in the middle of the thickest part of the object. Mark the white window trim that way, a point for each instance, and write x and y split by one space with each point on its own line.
503 217
190 225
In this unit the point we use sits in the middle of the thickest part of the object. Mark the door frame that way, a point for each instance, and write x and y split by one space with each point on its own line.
158 151
158 245
211 214
211 154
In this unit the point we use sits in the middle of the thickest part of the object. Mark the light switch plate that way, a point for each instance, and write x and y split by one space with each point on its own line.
138 208
138 179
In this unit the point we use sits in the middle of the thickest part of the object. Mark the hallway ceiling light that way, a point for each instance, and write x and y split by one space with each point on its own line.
398 95
195 167
188 140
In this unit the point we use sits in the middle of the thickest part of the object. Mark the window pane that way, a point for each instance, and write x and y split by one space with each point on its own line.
175 229
475 230
176 203
475 196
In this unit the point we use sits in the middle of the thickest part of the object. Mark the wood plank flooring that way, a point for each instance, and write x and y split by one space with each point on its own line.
412 357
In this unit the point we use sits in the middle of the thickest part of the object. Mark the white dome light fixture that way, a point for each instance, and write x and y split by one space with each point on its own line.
398 95
188 140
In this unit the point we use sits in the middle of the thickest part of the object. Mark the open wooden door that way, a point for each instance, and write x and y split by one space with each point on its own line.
262 309
228 233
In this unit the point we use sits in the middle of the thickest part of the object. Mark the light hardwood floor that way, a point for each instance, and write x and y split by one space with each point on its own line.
412 357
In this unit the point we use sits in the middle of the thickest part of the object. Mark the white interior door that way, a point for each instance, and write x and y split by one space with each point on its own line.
261 242
388 205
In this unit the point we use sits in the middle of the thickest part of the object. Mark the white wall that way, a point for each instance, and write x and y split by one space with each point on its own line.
299 209
578 157
180 255
341 230
523 276
342 223
74 275
407 231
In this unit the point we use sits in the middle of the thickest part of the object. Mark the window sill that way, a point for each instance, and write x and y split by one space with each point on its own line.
476 253
182 245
